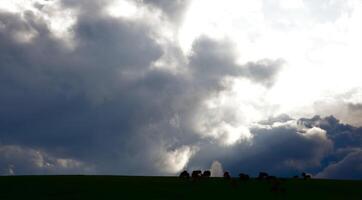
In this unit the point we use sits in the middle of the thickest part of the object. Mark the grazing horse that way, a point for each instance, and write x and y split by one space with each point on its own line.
227 175
306 176
262 175
244 177
206 174
196 174
185 174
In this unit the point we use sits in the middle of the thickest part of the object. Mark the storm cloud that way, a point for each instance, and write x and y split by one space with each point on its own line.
102 102
286 147
115 95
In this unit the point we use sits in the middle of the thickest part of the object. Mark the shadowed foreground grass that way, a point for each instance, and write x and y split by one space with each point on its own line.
123 187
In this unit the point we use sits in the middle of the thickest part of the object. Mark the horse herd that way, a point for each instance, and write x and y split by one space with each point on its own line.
198 174
276 183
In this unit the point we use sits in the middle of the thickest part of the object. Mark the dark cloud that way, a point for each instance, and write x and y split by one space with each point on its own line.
103 106
347 141
343 135
349 167
281 148
286 147
102 103
89 103
212 60
264 71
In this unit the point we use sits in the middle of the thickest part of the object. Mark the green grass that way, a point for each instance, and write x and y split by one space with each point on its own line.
123 187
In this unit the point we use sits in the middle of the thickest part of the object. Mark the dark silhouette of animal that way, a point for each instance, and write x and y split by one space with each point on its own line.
295 177
196 174
270 178
185 175
262 176
244 177
306 176
206 174
227 175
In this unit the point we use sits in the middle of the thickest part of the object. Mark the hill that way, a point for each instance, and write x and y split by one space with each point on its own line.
127 187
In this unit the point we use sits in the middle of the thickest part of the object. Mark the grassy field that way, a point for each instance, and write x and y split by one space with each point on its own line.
123 187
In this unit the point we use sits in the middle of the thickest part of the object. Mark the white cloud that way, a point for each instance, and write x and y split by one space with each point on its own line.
315 132
291 4
226 117
20 160
174 161
59 20
123 8
322 56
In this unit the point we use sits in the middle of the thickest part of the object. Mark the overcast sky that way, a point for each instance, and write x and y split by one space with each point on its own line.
153 87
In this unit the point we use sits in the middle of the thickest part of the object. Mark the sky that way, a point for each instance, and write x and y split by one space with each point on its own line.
155 87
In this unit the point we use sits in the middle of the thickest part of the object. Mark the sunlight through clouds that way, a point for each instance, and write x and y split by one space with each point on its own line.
154 87
122 8
315 52
60 21
176 160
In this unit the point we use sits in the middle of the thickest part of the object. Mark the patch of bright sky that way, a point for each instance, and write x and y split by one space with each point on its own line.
123 8
134 10
227 116
322 56
59 20
175 160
